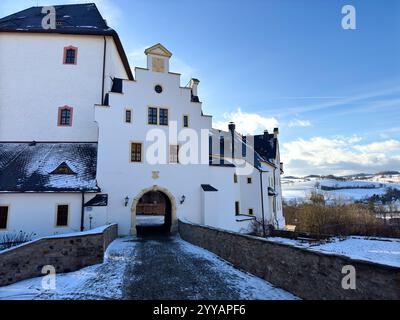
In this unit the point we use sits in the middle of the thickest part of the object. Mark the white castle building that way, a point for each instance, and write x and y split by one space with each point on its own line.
82 137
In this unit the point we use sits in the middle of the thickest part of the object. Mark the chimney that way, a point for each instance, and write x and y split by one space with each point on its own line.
276 133
232 128
266 135
193 85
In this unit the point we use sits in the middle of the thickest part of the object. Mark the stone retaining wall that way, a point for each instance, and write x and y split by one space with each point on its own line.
66 253
308 274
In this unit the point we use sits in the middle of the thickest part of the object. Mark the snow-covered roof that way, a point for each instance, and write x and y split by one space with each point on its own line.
74 18
29 167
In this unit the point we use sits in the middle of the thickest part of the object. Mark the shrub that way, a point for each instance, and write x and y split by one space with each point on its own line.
337 219
9 240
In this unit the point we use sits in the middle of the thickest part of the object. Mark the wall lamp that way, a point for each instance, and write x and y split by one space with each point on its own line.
126 201
183 198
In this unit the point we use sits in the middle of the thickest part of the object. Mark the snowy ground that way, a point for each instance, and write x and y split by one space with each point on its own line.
300 189
142 269
382 250
149 220
102 281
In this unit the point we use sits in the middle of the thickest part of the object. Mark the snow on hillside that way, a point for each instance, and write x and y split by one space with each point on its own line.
298 189
389 179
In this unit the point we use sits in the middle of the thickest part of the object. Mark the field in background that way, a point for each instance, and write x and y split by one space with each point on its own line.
348 189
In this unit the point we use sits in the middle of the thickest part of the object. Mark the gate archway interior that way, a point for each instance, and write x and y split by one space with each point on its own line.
153 213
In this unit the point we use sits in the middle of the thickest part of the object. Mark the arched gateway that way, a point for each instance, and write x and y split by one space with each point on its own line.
168 207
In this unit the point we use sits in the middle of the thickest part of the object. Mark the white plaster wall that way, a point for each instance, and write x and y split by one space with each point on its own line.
99 215
36 213
114 65
120 178
34 83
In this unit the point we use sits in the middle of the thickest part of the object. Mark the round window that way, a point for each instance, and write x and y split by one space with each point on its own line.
158 88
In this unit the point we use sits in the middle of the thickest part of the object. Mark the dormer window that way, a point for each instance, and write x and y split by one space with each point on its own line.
70 55
63 168
65 116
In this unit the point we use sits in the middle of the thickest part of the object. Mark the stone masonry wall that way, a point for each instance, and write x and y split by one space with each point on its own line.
65 253
308 274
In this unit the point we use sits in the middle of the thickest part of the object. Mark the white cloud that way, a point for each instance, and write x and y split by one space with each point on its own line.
246 123
339 155
385 146
299 123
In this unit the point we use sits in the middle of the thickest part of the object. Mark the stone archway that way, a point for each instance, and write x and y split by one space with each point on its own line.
174 221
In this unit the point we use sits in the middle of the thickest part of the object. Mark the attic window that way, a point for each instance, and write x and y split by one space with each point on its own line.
63 168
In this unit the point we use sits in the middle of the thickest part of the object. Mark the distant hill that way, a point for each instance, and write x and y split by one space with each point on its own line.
358 176
387 173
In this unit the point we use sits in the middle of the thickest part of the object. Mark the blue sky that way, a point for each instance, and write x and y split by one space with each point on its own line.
334 93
